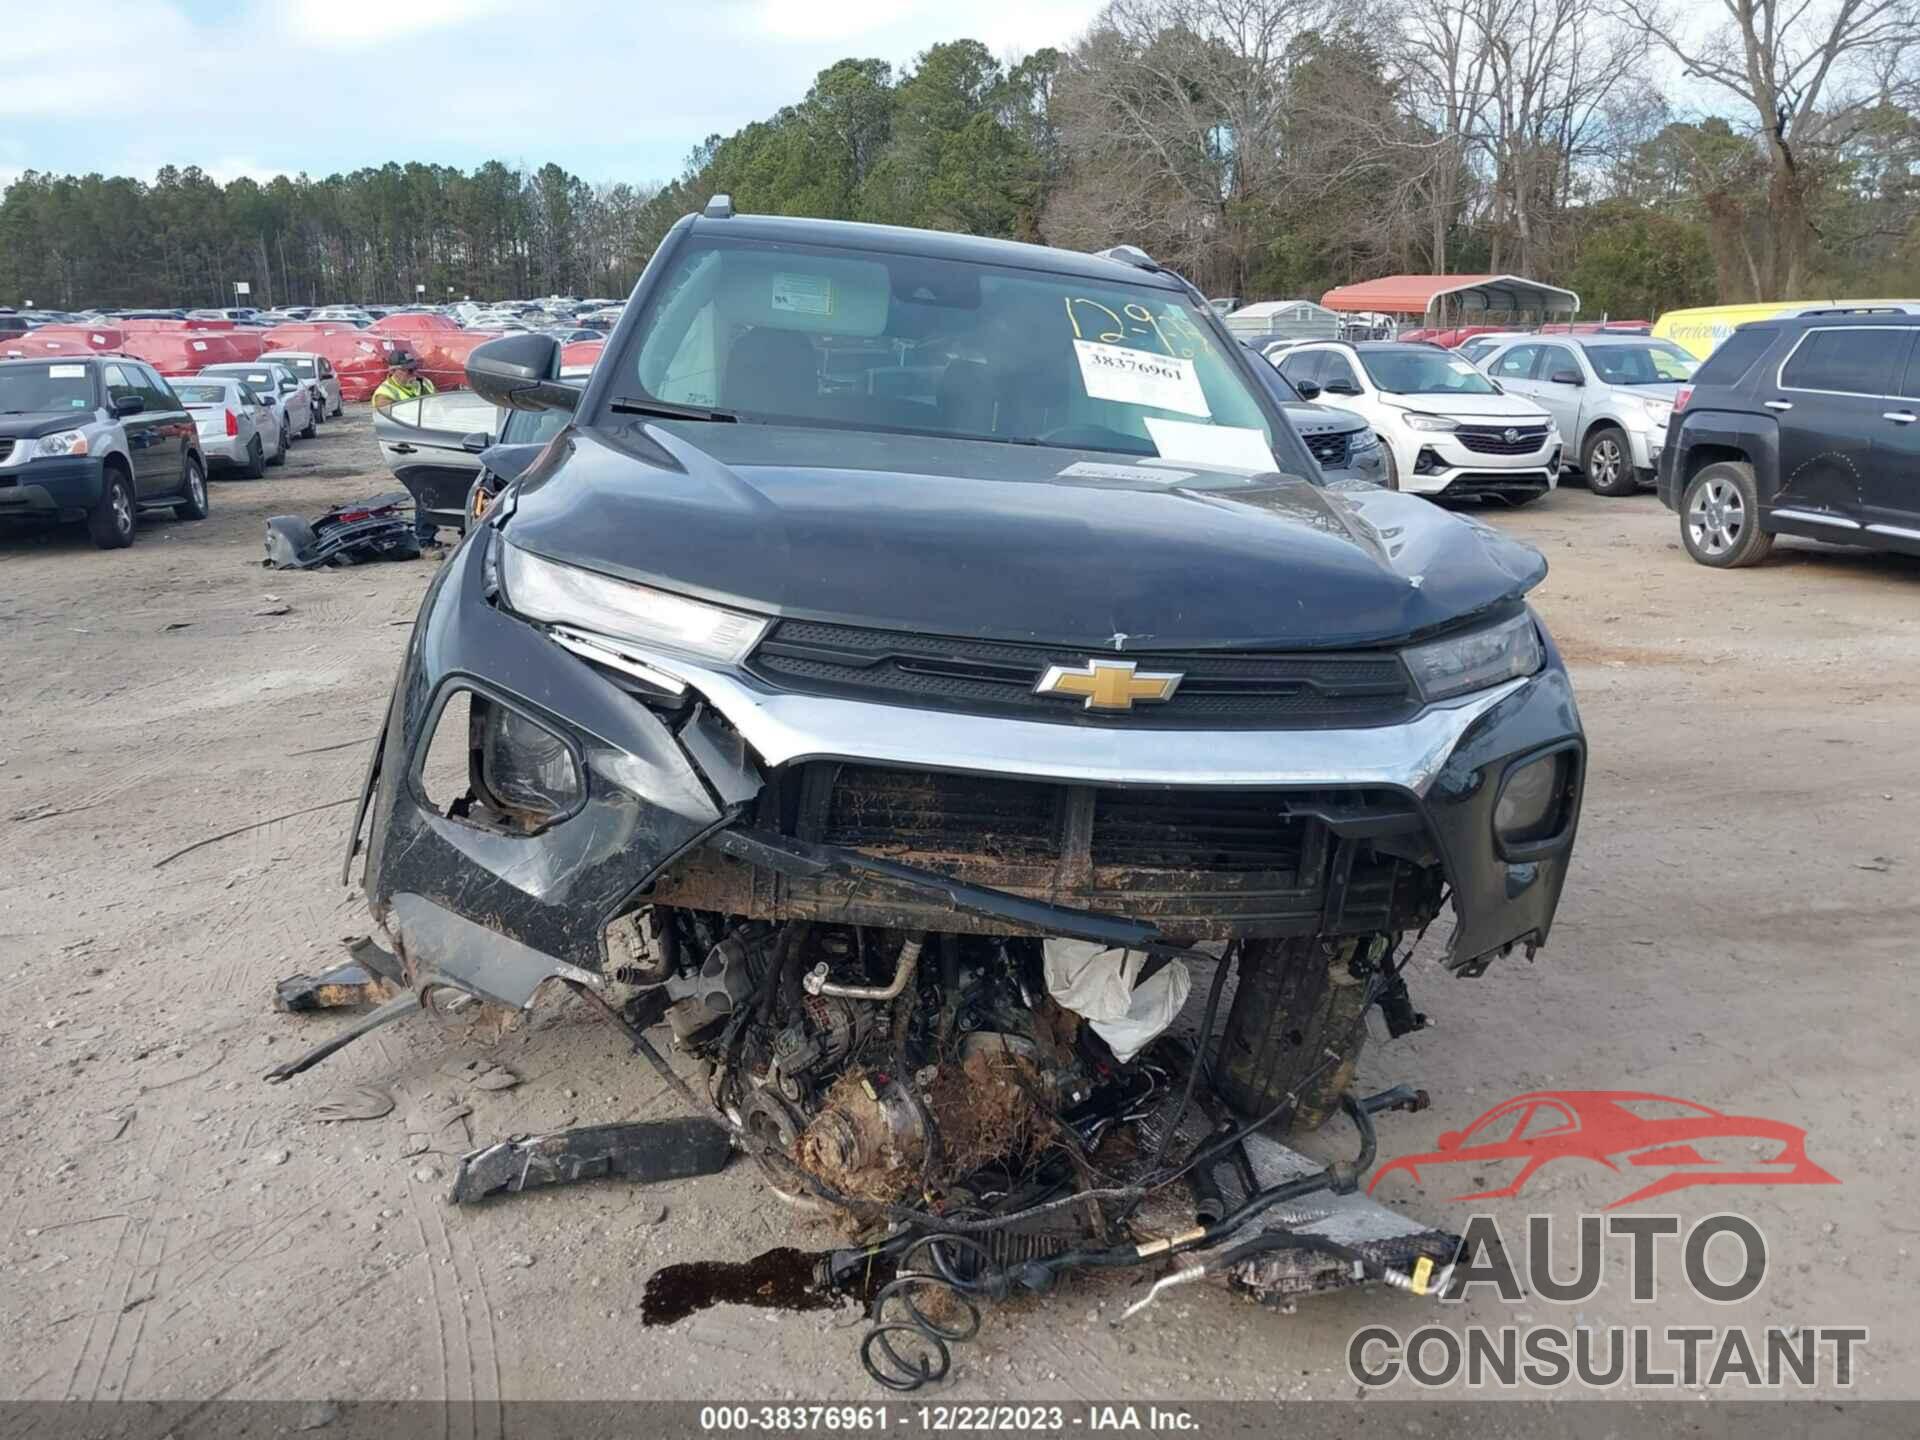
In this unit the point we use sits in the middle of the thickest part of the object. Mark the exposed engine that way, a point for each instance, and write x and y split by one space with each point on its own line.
887 1064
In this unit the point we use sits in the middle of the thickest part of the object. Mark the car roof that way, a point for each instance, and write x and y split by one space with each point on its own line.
937 244
1602 342
1836 319
85 359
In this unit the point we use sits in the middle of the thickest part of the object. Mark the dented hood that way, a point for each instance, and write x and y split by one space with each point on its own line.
1008 542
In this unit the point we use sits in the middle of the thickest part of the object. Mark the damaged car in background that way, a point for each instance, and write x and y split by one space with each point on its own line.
915 669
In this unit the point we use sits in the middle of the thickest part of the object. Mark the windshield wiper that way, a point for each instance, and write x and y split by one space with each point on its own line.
667 411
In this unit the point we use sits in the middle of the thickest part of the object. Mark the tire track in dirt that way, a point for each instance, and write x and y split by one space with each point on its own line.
126 1266
462 1314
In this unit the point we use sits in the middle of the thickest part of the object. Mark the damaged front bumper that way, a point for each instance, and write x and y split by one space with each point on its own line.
687 768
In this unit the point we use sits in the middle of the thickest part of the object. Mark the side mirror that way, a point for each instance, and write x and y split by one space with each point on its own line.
521 372
1566 377
1449 1140
128 404
1309 389
475 443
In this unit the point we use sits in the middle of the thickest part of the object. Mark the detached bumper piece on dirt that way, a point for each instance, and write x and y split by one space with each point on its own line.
377 529
862 918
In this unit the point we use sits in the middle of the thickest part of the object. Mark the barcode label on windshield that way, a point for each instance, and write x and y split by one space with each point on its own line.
1134 377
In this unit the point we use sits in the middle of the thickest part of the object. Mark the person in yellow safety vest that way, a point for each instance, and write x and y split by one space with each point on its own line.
405 382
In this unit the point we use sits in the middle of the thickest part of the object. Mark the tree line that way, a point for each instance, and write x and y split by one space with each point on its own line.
1263 147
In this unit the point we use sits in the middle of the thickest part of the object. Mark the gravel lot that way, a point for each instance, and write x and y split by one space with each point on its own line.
1738 931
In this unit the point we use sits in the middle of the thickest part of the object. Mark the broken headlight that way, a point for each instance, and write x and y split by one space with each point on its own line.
526 770
584 599
1477 659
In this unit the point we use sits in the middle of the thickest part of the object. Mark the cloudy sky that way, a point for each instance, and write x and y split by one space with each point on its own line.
612 89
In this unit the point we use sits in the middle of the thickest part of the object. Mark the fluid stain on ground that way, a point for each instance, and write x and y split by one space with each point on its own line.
779 1279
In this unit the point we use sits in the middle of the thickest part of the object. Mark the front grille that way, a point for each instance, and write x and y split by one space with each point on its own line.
1218 691
1329 449
1202 864
1492 439
929 812
933 817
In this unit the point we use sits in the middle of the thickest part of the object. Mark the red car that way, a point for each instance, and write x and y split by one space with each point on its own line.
1688 1144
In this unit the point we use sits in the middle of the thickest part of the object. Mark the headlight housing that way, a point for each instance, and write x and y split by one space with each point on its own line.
1367 439
546 590
1417 421
1530 807
1658 412
524 769
1477 659
67 442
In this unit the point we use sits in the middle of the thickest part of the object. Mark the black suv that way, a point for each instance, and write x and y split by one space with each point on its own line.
885 589
1799 426
96 438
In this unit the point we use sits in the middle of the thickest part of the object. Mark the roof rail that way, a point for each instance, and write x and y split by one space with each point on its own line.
1131 255
720 207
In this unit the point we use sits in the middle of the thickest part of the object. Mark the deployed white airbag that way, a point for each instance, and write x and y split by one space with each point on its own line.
1097 983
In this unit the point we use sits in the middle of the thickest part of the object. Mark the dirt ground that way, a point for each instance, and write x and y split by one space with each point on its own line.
1738 930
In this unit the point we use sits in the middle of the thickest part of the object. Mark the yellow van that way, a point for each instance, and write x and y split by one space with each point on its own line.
1699 330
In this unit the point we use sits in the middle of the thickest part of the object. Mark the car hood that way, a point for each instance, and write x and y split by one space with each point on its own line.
1468 407
42 422
1007 542
1309 419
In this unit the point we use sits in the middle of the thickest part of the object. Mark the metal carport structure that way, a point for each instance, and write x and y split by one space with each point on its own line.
1455 299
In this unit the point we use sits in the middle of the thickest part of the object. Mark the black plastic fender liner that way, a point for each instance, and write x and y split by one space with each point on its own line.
642 1150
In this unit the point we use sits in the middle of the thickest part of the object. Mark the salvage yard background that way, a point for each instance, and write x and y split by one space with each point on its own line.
1738 930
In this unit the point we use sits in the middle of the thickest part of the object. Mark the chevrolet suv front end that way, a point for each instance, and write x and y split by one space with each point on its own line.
908 605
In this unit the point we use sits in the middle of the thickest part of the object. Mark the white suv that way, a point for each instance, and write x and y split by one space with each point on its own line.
1448 429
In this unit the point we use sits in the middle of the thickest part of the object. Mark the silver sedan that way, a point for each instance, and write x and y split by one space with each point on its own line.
239 427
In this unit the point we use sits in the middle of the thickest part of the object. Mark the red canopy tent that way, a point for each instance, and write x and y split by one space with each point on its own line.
1445 302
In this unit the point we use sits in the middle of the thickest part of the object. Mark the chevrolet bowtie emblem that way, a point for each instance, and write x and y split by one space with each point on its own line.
1108 684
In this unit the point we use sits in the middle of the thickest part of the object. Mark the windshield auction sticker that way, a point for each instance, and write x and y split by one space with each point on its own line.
1133 377
803 294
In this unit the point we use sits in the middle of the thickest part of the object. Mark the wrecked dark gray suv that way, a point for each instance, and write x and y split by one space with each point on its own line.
913 655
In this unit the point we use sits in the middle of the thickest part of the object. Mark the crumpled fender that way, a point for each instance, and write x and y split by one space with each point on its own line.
498 913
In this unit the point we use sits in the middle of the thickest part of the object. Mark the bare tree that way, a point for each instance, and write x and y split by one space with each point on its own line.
1172 119
1811 72
1448 79
1557 70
